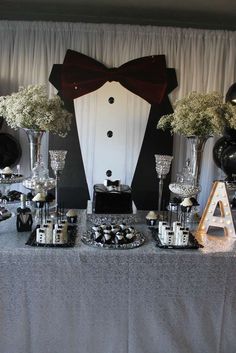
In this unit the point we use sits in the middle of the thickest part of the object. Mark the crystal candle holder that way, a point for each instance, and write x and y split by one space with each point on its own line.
57 161
163 163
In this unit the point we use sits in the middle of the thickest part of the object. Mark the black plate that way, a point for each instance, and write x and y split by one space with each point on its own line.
72 231
192 243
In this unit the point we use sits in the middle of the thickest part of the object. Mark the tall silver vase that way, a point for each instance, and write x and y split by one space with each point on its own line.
196 144
35 139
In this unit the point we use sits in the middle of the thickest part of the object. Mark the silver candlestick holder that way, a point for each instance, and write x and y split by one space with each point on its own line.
163 163
57 160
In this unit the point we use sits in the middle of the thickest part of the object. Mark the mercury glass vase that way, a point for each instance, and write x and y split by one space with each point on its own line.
35 139
163 163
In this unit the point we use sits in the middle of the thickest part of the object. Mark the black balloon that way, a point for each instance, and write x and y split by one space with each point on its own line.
218 149
224 153
228 161
230 134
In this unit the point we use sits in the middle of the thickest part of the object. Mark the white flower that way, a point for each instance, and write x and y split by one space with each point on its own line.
31 108
200 114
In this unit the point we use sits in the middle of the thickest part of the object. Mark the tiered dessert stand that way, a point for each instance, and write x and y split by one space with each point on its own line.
5 182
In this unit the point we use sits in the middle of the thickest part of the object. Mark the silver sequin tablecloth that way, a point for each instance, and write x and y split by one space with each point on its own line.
144 300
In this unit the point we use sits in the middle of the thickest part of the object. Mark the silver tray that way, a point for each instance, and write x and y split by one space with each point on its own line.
87 238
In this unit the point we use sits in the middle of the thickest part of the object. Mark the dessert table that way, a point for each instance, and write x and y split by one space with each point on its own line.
143 300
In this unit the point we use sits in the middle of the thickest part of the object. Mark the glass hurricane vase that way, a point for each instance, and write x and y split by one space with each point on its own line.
188 182
196 145
35 139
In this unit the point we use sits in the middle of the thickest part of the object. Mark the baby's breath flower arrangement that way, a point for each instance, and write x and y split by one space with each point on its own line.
30 108
200 114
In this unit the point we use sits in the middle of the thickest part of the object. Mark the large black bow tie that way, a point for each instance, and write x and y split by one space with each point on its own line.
80 74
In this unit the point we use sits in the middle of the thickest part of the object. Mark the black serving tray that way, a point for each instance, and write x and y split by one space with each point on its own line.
192 243
72 231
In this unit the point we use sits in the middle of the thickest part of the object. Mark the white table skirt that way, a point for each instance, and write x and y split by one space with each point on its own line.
145 300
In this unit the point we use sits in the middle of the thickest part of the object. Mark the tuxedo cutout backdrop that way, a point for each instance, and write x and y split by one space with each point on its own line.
111 136
145 77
